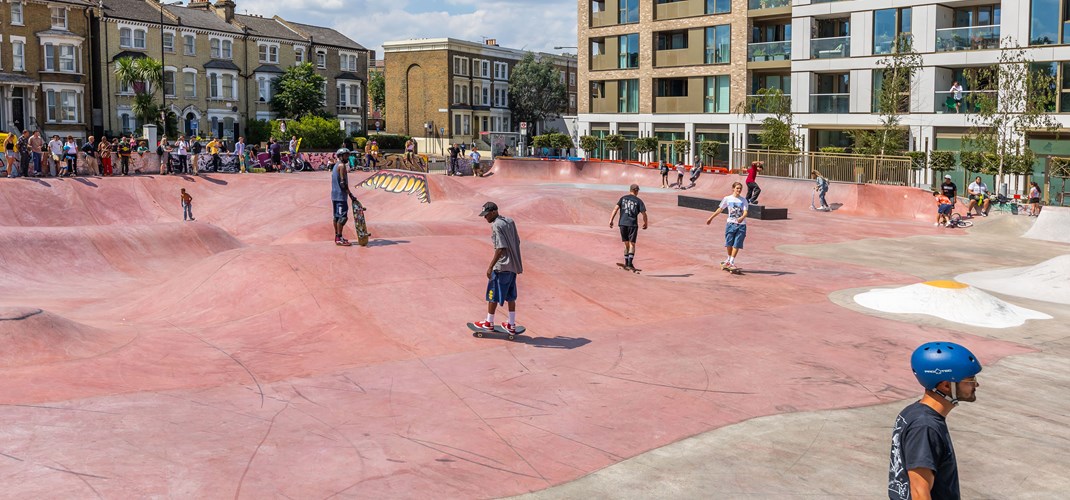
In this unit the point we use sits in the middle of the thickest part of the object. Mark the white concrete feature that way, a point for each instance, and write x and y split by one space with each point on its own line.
949 300
1048 281
1053 224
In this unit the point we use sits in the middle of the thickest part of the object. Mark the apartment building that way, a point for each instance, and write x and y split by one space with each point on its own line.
684 68
445 90
219 65
44 63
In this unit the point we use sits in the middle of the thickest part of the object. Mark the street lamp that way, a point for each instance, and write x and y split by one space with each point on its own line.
568 74
163 76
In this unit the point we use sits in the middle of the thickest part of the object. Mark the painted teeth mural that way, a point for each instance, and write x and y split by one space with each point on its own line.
399 181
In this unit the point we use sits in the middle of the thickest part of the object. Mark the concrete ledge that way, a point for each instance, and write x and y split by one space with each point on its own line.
759 212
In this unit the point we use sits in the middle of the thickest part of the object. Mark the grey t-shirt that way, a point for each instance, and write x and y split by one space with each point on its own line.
503 235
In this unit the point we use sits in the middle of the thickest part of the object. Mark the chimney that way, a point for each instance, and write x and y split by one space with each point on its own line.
493 42
198 4
225 9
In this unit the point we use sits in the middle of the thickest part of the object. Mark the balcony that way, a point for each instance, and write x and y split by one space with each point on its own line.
757 103
678 57
682 104
769 51
830 103
768 4
830 48
604 18
678 9
969 38
972 100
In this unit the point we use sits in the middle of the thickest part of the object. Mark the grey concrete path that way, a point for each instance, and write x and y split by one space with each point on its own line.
1014 442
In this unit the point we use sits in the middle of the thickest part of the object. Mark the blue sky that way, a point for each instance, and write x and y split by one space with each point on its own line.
532 25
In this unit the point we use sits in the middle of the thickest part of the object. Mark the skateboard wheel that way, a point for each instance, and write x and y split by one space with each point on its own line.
512 337
479 334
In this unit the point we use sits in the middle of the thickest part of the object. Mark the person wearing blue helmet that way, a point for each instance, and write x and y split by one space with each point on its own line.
923 464
339 192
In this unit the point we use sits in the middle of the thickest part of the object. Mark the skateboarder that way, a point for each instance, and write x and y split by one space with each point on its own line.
752 187
696 170
664 168
922 461
339 193
735 230
187 205
821 188
629 206
504 267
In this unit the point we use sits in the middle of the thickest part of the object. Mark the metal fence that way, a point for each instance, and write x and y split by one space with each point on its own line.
859 169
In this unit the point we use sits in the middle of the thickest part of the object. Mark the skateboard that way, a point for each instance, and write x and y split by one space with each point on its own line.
497 331
360 224
625 267
732 269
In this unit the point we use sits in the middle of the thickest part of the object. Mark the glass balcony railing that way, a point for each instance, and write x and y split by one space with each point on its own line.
971 101
769 51
768 4
830 103
757 103
969 38
830 48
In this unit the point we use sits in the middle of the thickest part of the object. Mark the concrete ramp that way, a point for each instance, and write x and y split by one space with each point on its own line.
949 300
1048 281
1053 224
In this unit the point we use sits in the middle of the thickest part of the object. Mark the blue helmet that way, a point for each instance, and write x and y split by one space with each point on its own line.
935 362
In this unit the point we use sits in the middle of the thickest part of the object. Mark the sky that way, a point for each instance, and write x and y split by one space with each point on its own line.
530 25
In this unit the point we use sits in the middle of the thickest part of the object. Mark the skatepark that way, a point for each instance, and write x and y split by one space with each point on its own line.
245 355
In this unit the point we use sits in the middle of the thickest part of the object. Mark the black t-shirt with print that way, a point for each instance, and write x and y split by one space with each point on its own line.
920 440
949 190
630 208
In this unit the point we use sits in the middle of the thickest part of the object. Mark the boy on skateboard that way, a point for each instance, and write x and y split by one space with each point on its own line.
504 266
753 191
735 230
339 193
629 206
187 205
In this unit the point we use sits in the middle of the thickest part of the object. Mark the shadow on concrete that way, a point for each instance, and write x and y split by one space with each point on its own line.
86 182
386 243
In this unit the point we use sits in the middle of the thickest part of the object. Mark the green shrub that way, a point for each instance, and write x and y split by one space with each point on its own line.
682 147
315 132
589 143
918 159
833 149
615 142
709 150
359 142
560 141
389 141
942 161
257 131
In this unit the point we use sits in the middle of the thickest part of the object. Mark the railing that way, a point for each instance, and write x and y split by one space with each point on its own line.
769 51
971 101
765 104
830 103
830 48
768 4
858 169
969 38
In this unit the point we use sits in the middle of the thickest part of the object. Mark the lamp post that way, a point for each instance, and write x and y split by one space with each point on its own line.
163 76
568 73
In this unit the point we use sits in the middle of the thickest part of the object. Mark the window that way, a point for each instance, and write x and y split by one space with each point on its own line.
228 49
629 11
717 93
16 13
718 44
321 60
341 95
263 88
299 55
348 62
1044 22
189 43
467 121
228 87
628 96
501 71
67 58
127 122
902 103
888 24
718 6
59 18
213 86
629 51
486 68
124 88
189 84
270 53
139 39
486 96
61 106
125 37
169 42
671 87
18 55
50 54
214 51
323 93
460 65
672 40
169 82
132 38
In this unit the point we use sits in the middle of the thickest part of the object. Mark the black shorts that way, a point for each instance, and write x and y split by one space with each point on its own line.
1034 200
629 233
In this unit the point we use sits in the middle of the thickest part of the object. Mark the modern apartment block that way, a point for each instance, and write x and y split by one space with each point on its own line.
682 69
44 67
444 90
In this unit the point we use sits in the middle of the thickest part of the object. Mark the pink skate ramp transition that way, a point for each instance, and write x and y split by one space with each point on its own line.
245 355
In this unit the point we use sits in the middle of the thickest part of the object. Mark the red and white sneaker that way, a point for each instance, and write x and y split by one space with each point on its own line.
342 242
486 325
509 327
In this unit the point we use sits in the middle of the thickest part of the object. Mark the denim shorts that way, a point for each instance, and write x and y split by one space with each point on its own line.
734 234
502 287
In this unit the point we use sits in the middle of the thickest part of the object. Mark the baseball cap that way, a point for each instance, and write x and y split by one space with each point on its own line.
488 207
947 176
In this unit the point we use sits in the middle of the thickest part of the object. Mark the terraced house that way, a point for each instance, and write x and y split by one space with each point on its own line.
44 66
219 65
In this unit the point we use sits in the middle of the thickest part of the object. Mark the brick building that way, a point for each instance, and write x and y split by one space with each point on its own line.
444 91
44 63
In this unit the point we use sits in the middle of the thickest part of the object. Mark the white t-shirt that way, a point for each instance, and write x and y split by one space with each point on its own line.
735 206
55 147
680 169
976 188
181 146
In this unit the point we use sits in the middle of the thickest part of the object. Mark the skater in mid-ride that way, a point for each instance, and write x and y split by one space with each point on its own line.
504 267
629 206
339 193
735 230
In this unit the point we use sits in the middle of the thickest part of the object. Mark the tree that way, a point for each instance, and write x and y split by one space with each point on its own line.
646 145
536 91
682 148
298 92
316 132
778 131
893 99
709 150
377 92
144 76
615 142
588 143
1016 97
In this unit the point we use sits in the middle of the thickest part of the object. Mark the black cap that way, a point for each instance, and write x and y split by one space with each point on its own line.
488 207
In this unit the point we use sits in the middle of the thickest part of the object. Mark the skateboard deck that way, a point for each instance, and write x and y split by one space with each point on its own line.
624 267
497 332
361 225
732 269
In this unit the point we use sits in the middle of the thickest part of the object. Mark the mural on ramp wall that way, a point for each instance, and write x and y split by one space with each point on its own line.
397 181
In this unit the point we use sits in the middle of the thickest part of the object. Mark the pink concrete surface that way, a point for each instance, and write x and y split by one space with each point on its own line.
245 355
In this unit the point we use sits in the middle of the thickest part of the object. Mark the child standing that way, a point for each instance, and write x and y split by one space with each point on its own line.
664 168
680 171
187 206
735 230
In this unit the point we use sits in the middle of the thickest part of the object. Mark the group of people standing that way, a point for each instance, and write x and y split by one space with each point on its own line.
29 155
182 156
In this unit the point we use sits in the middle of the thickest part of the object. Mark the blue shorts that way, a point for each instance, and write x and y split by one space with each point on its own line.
734 234
502 287
341 211
944 209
